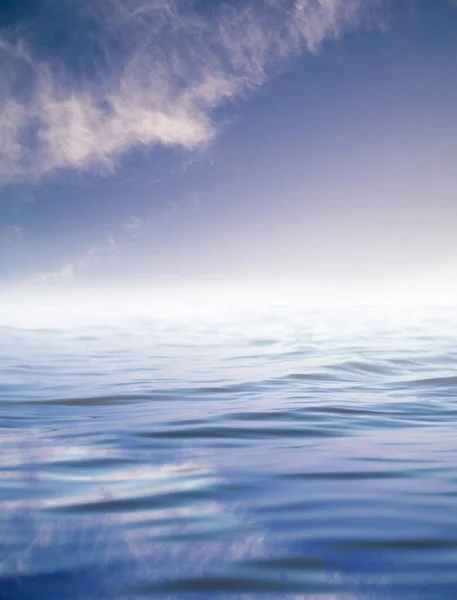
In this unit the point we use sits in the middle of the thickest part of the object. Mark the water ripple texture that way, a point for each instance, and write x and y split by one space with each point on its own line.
297 454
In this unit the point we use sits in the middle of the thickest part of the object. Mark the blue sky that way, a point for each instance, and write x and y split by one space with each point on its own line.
282 142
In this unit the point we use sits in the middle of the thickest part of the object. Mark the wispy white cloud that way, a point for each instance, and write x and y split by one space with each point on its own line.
69 272
133 226
153 73
72 270
95 257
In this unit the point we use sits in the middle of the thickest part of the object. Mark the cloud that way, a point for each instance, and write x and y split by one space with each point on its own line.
133 226
72 270
140 73
96 256
67 273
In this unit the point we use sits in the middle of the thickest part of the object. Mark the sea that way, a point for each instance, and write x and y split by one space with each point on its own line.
284 453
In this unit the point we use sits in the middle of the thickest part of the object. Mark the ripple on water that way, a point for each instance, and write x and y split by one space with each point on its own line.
303 457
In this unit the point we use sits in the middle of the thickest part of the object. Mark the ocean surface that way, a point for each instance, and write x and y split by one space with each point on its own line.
281 454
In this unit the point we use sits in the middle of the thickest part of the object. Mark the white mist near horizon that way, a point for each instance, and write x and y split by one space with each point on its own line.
72 306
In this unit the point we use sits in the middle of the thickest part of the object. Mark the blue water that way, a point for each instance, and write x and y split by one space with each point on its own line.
305 454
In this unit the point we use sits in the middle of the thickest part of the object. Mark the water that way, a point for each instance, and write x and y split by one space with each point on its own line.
295 454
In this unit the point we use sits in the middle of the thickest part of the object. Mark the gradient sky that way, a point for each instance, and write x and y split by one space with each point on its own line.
274 141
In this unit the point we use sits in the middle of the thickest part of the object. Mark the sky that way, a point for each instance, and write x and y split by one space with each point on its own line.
261 144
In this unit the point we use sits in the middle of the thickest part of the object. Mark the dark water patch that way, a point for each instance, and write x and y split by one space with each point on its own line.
100 400
153 501
219 431
354 366
221 389
310 505
236 584
393 460
188 422
349 475
73 584
445 382
311 377
263 342
285 563
353 411
410 545
274 415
